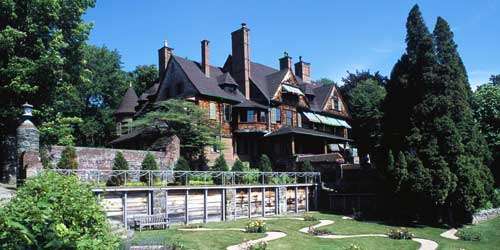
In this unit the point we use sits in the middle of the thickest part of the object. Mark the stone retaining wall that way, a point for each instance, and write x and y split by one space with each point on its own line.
485 215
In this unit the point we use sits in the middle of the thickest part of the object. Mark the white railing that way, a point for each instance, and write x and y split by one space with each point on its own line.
151 178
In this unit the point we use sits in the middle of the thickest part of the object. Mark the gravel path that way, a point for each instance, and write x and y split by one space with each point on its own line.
320 224
450 234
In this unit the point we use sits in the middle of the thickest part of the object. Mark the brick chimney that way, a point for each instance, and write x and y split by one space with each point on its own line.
303 70
164 55
285 61
240 65
205 65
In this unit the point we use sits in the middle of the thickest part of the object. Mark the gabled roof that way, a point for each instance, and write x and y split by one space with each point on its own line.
321 95
226 79
208 86
129 102
149 92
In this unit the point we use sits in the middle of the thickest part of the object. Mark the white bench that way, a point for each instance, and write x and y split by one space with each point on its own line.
151 221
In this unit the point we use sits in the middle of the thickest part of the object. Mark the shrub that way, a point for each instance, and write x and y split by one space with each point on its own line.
119 163
353 247
468 234
265 164
251 176
256 226
259 246
68 158
310 217
182 165
316 232
53 211
220 164
496 198
282 179
149 163
306 166
201 180
401 233
238 166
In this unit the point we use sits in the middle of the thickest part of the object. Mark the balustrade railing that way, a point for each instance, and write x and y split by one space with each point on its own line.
159 178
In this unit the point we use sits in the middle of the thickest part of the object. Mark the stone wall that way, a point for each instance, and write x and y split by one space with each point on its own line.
102 158
485 215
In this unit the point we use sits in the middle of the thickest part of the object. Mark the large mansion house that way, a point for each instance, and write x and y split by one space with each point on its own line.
260 109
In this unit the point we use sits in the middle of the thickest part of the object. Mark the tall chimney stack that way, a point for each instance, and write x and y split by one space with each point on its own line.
303 70
205 65
164 55
240 65
285 61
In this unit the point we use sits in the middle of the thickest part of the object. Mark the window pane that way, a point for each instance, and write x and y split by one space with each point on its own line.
243 116
289 118
212 110
273 116
278 114
227 112
250 116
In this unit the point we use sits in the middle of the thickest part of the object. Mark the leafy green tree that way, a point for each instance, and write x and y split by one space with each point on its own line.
53 211
265 164
325 81
41 49
353 79
60 131
182 165
187 121
495 80
143 76
149 163
487 113
365 106
119 163
68 158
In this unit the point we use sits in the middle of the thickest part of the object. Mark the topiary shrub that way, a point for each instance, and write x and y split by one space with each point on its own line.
401 233
149 163
68 158
119 163
52 211
469 234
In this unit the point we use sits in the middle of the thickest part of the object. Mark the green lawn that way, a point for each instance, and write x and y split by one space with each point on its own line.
296 240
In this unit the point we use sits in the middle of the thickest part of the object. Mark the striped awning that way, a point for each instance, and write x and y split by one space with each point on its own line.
317 118
291 89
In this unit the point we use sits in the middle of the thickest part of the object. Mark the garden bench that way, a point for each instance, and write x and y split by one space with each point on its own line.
151 221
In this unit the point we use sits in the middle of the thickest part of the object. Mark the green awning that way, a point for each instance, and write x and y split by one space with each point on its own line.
344 123
291 89
317 118
311 117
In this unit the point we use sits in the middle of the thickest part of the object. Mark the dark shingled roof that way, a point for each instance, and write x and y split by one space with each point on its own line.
304 131
129 102
208 86
149 92
226 79
249 104
321 95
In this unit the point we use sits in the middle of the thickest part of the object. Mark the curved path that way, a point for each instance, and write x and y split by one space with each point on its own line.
450 234
424 243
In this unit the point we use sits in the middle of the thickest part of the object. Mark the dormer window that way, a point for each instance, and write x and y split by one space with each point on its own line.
336 104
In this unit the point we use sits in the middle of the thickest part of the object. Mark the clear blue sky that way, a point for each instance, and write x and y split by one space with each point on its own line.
334 36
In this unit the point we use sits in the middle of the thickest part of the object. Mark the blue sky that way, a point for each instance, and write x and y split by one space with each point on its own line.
334 36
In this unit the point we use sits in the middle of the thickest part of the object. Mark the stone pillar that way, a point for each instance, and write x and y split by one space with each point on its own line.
282 200
28 138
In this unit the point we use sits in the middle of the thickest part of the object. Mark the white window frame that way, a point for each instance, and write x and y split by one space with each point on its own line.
212 110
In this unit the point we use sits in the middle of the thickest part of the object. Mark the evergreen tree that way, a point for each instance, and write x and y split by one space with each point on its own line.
149 163
182 165
238 166
220 164
68 158
265 164
119 163
428 118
